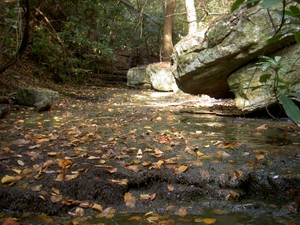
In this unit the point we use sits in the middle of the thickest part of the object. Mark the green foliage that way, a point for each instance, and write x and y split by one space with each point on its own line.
282 89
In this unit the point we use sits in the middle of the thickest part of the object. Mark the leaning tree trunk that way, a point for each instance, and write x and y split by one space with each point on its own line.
191 16
25 37
167 35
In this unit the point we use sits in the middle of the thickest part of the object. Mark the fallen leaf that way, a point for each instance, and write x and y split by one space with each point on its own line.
148 196
180 169
135 218
20 162
37 188
54 153
107 213
260 156
120 182
129 200
56 198
97 207
111 169
79 212
170 187
10 179
34 146
262 127
133 168
17 171
209 220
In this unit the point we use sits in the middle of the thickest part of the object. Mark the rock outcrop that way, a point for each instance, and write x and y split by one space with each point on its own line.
204 62
251 94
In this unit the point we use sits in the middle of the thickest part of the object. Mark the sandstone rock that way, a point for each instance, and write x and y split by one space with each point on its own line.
202 65
138 77
251 94
161 77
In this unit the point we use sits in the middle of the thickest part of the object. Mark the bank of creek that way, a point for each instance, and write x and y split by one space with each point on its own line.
113 155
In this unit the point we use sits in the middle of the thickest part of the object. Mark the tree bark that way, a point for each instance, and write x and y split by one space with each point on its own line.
168 29
191 16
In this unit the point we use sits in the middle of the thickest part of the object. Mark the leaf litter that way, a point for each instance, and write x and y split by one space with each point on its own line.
68 143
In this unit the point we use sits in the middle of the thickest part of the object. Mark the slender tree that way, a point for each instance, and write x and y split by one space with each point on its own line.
191 16
167 35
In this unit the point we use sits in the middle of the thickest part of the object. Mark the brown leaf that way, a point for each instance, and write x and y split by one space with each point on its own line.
79 212
37 188
135 218
148 196
97 207
180 169
170 187
111 169
133 168
120 182
129 200
107 213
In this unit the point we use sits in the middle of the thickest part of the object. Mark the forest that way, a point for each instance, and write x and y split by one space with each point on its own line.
149 112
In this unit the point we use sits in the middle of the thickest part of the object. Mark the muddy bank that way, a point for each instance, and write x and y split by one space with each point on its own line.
129 150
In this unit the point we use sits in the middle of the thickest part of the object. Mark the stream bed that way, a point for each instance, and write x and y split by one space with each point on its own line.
124 156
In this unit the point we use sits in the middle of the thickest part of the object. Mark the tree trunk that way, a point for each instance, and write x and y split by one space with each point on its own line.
167 35
191 16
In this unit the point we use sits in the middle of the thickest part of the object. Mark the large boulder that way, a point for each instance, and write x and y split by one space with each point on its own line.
41 98
158 76
161 77
251 94
203 63
138 77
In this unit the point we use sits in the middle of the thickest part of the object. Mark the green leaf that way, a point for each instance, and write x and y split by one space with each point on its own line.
297 1
297 37
269 3
264 78
236 4
290 108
